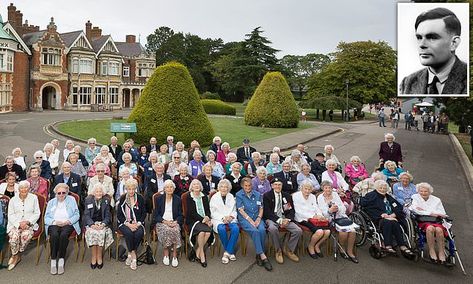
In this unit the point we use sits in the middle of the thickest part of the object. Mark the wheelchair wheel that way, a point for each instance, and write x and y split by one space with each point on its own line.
361 233
375 252
411 233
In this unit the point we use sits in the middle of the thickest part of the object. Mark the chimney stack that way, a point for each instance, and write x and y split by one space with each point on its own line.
88 30
96 32
130 38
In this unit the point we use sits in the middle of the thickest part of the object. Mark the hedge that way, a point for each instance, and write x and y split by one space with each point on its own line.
217 107
210 96
272 104
170 105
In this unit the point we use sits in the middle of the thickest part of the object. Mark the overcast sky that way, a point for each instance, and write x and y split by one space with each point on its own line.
294 26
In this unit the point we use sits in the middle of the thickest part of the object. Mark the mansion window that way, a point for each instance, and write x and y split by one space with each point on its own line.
145 70
110 68
5 94
113 93
126 71
82 66
6 60
81 95
51 56
100 95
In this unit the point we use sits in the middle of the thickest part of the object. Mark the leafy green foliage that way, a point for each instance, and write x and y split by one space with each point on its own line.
272 104
331 103
369 67
209 95
212 106
170 105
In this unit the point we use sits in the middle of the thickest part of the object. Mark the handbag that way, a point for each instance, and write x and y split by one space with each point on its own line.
427 219
146 257
343 222
319 223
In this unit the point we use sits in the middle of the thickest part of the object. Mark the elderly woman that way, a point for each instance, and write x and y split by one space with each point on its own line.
131 214
19 158
127 148
235 177
124 176
198 219
296 161
425 204
196 146
274 166
306 175
60 219
23 215
168 219
404 189
38 184
216 142
249 205
260 182
391 171
384 210
91 151
163 155
97 220
155 184
80 157
224 215
196 164
77 167
51 156
328 152
46 171
277 150
390 150
217 168
92 170
355 170
182 180
10 166
106 156
148 167
143 156
127 163
332 207
173 167
209 182
222 155
68 148
183 153
232 158
105 181
256 161
308 214
9 187
367 185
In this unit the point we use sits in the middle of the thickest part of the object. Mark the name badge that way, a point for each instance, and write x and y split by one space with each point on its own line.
260 186
186 178
212 184
150 168
194 167
235 180
142 157
394 205
153 180
79 160
289 182
284 200
74 184
90 206
258 203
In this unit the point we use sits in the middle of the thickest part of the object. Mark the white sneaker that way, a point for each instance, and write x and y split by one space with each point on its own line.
128 260
174 263
232 257
166 260
133 264
225 258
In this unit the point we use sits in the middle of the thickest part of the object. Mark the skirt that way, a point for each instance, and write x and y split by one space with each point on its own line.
198 228
423 226
102 237
168 236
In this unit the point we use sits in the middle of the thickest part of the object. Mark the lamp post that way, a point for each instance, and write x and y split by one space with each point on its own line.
348 110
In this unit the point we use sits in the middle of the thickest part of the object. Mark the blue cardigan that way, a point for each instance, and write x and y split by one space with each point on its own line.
161 206
72 211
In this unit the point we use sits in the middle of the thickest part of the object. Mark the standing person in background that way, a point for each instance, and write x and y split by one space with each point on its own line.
381 117
396 118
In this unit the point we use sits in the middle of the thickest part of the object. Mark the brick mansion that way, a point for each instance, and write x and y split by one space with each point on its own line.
75 70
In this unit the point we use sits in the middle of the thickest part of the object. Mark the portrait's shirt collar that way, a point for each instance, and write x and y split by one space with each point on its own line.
443 75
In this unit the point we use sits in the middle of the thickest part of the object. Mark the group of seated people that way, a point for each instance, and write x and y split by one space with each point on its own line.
200 195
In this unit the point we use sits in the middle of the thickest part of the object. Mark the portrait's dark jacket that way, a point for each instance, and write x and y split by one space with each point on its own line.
456 83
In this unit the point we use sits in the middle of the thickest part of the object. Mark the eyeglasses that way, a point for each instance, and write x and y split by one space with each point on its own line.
177 157
100 171
38 157
61 193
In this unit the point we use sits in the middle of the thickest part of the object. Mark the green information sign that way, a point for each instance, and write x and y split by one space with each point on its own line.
123 127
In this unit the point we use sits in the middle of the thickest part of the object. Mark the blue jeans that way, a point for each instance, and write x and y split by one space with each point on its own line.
228 242
258 235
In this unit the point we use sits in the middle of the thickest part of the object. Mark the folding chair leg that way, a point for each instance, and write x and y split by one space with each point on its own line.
38 250
83 251
76 246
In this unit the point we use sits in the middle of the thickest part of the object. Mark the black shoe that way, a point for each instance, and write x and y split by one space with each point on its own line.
319 254
354 259
93 265
99 266
259 262
313 255
204 264
267 265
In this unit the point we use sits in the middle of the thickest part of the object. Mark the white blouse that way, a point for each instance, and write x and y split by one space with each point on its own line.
305 208
218 209
19 210
433 205
323 205
340 180
60 214
3 188
168 211
20 161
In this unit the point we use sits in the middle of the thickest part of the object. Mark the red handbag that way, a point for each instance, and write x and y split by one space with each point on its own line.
318 223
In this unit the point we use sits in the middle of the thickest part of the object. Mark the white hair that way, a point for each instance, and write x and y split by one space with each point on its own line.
255 154
48 146
295 153
169 138
197 152
406 174
355 158
378 176
97 185
91 140
260 170
389 135
330 162
126 154
328 146
424 185
225 144
276 149
169 182
387 163
379 183
216 138
38 154
24 184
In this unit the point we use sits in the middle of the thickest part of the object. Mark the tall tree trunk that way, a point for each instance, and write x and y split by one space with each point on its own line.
317 114
324 113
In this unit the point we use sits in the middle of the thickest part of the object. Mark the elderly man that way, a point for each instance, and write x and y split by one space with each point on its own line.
114 147
170 144
438 36
288 178
245 151
68 177
153 145
278 212
10 166
305 156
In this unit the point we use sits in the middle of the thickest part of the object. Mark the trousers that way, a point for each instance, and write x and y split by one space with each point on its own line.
59 239
294 231
228 242
132 239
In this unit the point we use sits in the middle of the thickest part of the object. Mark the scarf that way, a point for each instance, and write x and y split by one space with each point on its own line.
333 177
130 205
199 205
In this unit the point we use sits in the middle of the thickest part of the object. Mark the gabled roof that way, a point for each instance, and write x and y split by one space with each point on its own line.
31 38
130 49
71 38
99 43
9 28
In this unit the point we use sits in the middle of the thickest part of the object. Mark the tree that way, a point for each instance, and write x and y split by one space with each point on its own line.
158 38
369 67
298 68
170 105
272 104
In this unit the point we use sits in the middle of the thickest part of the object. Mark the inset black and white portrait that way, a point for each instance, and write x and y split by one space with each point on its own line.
433 49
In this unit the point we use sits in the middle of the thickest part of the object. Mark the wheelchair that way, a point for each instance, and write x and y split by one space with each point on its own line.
370 232
420 241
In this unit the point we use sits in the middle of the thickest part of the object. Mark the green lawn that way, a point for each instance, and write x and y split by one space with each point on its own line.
240 108
231 129
463 138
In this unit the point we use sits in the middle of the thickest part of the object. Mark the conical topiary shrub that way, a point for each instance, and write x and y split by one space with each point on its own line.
170 105
272 104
